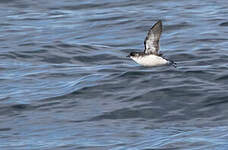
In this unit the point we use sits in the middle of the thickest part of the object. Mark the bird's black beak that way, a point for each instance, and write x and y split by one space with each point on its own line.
128 56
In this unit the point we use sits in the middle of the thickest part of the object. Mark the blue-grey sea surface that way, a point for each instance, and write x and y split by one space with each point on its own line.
66 84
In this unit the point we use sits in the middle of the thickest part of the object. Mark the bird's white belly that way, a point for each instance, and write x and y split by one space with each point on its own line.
150 60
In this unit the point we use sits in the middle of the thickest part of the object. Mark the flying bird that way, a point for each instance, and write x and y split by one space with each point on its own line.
151 56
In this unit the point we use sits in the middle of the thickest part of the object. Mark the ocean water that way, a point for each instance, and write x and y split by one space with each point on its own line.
66 84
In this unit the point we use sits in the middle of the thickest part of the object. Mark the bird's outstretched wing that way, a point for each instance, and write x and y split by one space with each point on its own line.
151 42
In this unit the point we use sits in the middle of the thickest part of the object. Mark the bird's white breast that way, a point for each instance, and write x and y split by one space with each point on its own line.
150 60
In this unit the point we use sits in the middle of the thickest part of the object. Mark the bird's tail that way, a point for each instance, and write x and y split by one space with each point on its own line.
172 63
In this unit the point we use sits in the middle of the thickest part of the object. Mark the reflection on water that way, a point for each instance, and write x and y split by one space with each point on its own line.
66 82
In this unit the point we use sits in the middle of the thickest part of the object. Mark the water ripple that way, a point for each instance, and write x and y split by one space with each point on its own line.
66 81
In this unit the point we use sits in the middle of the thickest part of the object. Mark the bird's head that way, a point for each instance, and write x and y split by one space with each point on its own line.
133 54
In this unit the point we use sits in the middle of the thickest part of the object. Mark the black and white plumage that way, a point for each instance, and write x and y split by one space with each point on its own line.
151 57
151 42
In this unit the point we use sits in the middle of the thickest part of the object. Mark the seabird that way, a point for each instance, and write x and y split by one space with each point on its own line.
151 57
